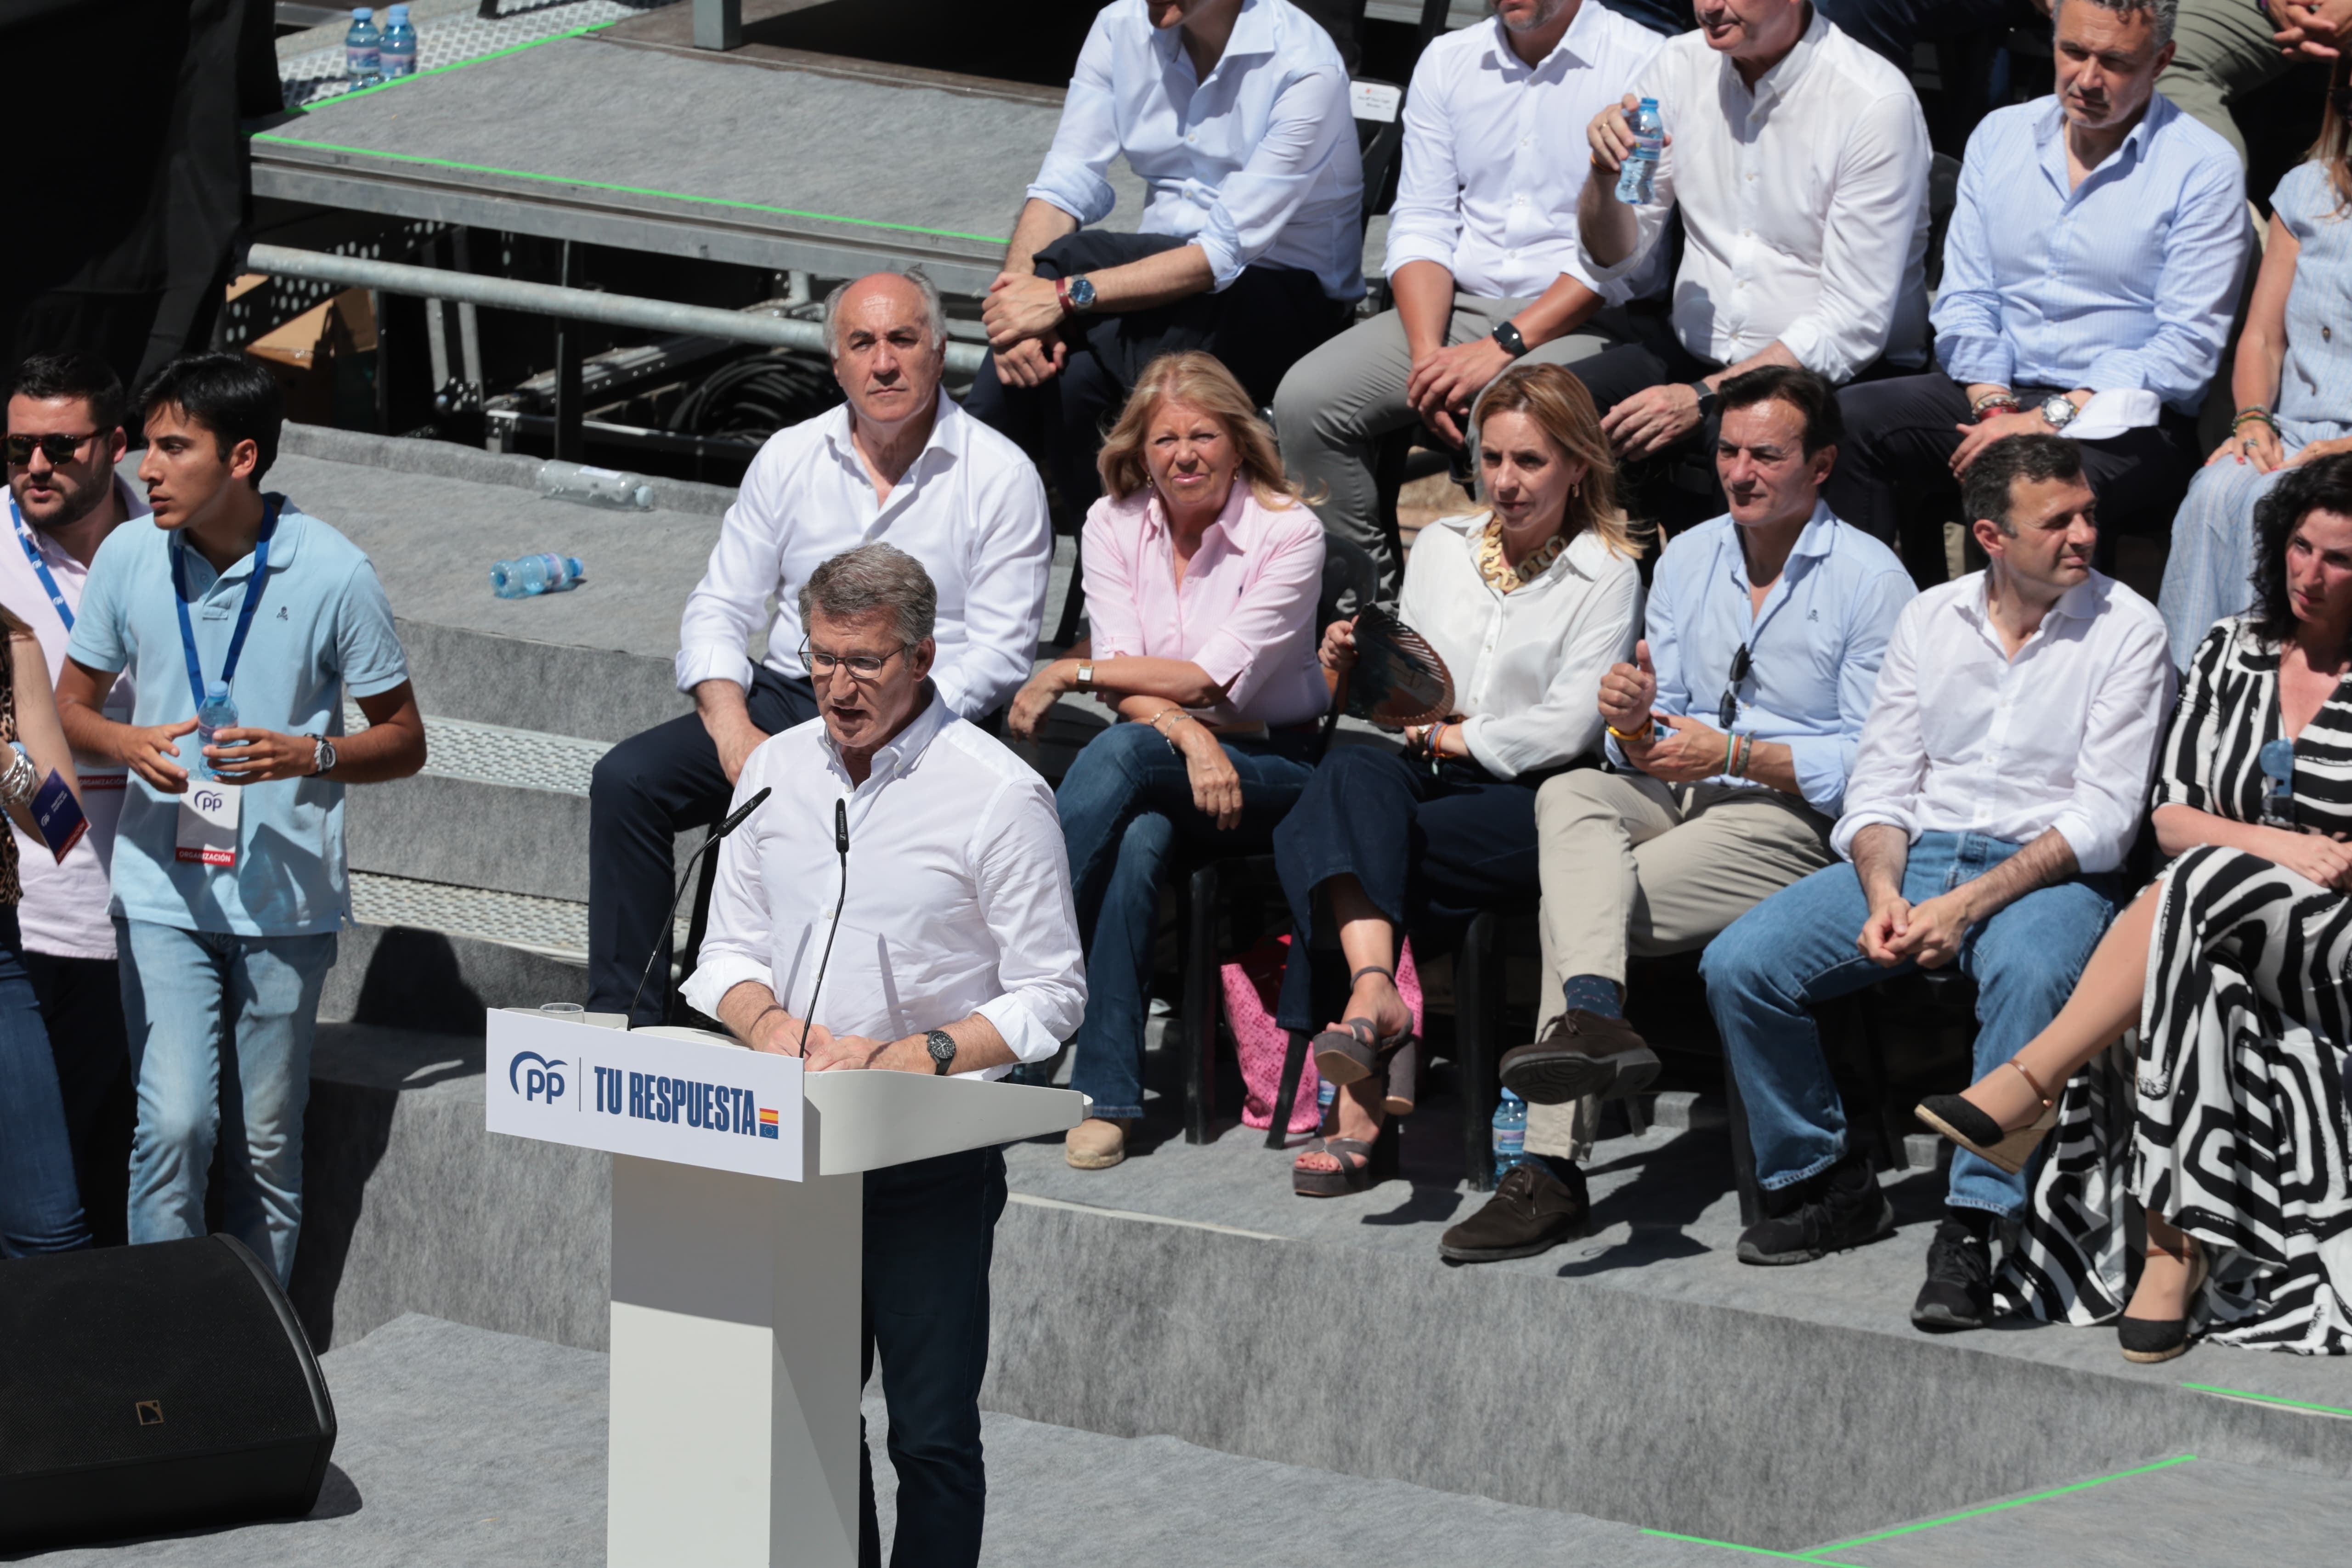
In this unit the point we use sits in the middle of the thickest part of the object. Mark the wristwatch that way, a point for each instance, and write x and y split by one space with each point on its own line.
2058 411
1077 295
1706 397
1086 675
323 755
942 1047
1508 337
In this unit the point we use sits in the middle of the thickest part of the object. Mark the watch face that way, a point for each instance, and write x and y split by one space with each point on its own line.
2059 411
1082 293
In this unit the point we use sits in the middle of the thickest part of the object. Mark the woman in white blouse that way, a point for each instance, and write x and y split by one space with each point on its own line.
1529 603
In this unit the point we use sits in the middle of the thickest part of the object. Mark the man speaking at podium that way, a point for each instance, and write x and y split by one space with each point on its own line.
901 903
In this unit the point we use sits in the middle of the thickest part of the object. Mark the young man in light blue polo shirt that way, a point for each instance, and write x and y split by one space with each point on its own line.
229 887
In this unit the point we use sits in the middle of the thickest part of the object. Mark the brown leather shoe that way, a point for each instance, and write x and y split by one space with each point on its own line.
1582 1053
1533 1211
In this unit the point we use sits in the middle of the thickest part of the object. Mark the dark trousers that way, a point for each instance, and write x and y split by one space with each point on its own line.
1260 327
645 792
1430 849
1651 356
81 1004
1894 475
930 1233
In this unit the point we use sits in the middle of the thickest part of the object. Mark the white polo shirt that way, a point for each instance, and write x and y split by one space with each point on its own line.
64 912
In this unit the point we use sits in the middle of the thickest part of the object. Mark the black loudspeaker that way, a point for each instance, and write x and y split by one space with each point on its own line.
145 1389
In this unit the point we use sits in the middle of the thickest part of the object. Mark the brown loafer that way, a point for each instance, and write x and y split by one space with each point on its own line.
1533 1211
1095 1144
1582 1053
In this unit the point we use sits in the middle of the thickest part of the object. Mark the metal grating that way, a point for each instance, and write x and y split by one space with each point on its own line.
552 926
493 754
317 77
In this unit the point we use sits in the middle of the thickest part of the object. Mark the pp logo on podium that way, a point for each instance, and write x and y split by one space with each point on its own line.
541 1083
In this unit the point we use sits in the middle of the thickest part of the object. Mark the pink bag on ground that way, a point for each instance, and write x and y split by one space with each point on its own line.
1253 985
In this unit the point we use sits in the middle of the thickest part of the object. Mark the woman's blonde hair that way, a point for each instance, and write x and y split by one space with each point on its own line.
1562 409
2334 147
1199 381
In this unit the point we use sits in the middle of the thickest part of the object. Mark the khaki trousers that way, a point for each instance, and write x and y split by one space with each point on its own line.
1632 867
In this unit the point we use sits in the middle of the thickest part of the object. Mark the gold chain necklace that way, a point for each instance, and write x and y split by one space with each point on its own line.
1500 575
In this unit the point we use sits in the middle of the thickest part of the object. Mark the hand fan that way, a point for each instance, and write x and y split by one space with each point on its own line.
1399 678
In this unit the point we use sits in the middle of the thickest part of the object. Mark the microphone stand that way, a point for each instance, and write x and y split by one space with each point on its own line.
669 921
841 843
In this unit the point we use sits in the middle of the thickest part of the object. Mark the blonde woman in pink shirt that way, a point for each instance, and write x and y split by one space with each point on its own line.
1202 567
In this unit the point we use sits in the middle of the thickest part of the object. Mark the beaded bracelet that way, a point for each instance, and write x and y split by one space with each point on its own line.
2253 415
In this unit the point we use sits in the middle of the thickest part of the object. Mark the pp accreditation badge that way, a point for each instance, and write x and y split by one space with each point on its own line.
208 819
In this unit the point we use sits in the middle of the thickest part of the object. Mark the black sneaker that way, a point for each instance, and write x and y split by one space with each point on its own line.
1959 1292
1533 1211
1841 1208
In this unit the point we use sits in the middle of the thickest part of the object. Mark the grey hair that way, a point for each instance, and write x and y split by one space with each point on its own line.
874 577
2165 13
935 314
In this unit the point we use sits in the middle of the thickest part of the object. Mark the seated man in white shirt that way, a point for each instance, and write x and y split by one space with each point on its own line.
1999 788
1234 115
2097 247
958 952
1481 259
1797 160
901 462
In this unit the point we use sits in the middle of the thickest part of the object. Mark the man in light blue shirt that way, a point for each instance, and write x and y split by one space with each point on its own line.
1730 738
2096 251
1234 114
228 872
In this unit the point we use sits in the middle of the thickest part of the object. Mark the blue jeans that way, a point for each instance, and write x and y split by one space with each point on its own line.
220 1033
40 1203
1122 804
1768 971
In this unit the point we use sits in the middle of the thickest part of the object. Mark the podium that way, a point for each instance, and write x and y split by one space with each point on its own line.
738 1237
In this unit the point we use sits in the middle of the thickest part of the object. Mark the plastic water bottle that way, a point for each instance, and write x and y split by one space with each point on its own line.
1510 1127
364 49
1327 1093
217 712
560 480
535 574
1635 179
398 53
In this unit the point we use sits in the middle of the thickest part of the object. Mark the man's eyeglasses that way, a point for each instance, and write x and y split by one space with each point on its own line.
863 668
2276 760
1726 712
58 450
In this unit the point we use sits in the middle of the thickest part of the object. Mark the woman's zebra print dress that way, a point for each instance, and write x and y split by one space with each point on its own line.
2237 1128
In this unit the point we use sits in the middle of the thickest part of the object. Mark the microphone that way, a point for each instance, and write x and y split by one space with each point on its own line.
669 922
841 844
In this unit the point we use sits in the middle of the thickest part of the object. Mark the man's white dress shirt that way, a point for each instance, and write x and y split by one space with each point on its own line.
1963 739
971 508
1255 162
959 895
64 910
1804 204
1495 155
1526 665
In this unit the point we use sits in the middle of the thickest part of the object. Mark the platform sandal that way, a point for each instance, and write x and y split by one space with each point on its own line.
1957 1119
1356 1050
1354 1174
2147 1340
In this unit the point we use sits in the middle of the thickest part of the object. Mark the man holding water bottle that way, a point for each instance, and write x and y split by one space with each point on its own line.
228 875
1798 162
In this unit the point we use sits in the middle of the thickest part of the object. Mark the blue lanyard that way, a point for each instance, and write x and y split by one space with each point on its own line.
40 567
243 615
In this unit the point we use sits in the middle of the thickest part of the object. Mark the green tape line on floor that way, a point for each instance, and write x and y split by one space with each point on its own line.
1751 1551
1994 1508
623 190
2267 1399
391 82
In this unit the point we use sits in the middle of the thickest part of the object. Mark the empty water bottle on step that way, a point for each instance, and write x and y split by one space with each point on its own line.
560 480
397 54
534 574
1326 1091
364 49
1640 170
1510 1133
217 712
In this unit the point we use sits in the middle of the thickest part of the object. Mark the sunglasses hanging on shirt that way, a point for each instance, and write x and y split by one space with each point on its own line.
1726 712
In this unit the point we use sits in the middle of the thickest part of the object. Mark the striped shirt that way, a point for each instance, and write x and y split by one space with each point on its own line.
2126 281
2212 760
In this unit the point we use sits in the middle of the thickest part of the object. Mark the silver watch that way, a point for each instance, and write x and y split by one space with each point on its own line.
323 755
2058 412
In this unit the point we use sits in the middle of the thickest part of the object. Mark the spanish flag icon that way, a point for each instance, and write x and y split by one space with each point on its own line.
767 1122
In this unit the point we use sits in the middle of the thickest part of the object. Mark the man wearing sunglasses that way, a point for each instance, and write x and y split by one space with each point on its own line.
2000 784
1730 738
64 437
